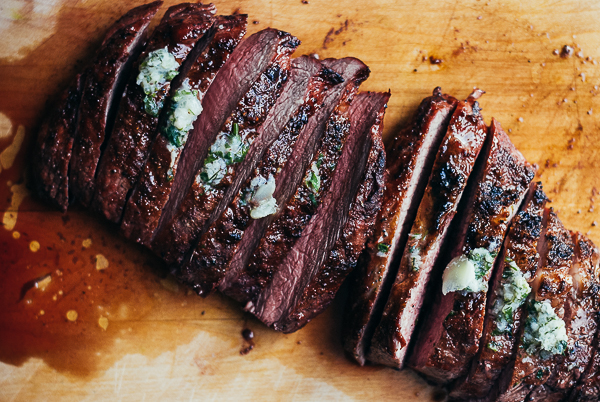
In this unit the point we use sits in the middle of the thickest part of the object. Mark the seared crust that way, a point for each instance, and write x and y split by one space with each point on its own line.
135 130
52 154
410 160
453 165
521 247
317 296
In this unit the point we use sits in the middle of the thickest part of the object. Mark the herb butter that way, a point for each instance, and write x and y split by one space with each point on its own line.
159 68
510 295
260 197
228 149
467 272
185 109
545 333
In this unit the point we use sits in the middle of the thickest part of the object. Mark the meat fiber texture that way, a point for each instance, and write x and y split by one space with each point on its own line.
344 256
409 163
452 167
224 249
279 299
136 125
498 342
85 113
456 322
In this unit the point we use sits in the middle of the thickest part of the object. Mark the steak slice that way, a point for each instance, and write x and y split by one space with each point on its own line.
410 161
262 59
296 211
86 111
518 264
581 312
276 303
145 207
451 336
230 241
534 360
307 84
172 48
54 144
453 165
342 259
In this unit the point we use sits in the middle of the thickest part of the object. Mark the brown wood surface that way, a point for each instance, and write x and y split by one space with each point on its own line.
163 343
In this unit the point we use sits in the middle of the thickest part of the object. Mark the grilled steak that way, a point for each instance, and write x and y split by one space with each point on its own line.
236 234
292 218
518 264
361 220
166 54
276 303
410 160
85 113
453 165
456 323
307 85
536 358
229 149
54 144
581 312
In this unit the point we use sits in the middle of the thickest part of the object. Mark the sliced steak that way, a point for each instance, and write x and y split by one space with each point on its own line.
307 84
54 144
453 165
509 289
410 161
581 311
342 259
86 111
276 303
181 33
536 358
455 323
295 214
246 66
230 241
145 207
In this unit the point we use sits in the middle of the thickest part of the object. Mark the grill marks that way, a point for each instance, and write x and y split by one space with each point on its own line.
411 157
127 149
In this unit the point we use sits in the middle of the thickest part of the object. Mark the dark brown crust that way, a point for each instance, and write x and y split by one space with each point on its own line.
50 160
297 212
411 157
134 131
520 246
85 110
453 165
552 282
227 236
317 296
301 265
299 99
498 196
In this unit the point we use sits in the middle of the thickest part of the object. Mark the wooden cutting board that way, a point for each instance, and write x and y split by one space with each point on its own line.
110 324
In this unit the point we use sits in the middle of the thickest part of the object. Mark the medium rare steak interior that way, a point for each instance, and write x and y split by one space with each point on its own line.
267 178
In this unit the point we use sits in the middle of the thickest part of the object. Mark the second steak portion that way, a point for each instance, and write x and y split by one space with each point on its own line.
410 159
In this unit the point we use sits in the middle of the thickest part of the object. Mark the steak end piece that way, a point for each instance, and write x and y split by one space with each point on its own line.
452 167
409 163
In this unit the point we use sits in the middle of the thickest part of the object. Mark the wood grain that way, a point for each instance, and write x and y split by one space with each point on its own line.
163 343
